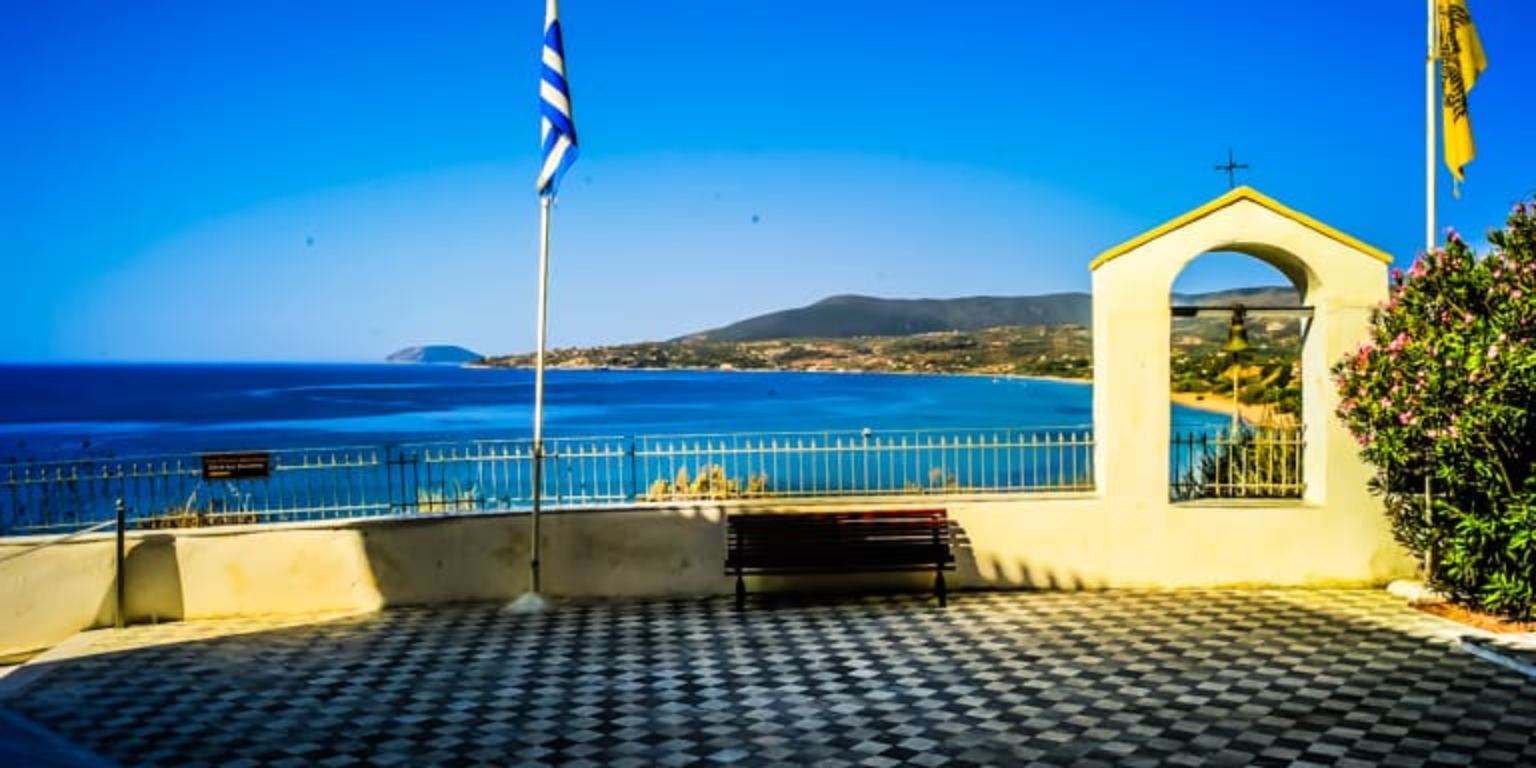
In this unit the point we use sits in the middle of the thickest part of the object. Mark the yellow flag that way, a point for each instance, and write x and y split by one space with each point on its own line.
1461 61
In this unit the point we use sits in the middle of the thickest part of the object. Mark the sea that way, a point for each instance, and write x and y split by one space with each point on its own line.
66 411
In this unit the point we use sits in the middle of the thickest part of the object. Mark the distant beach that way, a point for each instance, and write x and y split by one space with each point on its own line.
1252 413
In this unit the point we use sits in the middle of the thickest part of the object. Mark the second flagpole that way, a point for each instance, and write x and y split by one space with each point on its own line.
1431 89
1430 82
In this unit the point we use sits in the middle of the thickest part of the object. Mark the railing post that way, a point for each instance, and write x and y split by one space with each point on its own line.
634 478
389 478
868 487
122 585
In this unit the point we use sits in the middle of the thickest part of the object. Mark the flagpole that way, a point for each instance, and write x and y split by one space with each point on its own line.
545 202
531 601
1430 83
1431 88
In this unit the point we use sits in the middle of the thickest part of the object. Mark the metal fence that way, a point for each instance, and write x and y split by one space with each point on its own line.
1251 463
497 476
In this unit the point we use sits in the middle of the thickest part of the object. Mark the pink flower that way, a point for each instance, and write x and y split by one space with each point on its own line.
1398 343
1493 351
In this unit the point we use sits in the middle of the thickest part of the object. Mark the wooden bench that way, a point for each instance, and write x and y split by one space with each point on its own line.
839 542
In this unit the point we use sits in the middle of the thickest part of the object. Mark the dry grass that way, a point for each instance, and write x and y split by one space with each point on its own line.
1478 619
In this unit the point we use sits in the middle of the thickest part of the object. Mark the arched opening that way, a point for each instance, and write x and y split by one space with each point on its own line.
1236 333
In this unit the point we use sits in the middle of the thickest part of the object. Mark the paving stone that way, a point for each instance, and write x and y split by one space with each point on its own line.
1114 678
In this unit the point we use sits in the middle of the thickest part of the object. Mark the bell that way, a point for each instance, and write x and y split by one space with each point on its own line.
1237 334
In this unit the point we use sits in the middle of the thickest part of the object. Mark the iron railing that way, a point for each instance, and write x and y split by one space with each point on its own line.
497 476
1251 463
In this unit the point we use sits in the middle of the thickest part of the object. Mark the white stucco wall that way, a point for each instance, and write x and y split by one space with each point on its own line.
1070 541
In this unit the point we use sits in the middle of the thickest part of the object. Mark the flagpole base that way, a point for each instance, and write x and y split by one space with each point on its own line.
528 602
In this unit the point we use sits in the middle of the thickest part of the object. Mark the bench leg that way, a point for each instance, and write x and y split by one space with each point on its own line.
741 592
939 588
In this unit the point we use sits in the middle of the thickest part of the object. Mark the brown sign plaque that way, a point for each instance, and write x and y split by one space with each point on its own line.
248 465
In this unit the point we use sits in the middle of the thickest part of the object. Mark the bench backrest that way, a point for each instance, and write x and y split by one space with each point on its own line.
839 540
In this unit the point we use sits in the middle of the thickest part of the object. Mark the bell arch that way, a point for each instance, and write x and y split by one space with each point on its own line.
1340 277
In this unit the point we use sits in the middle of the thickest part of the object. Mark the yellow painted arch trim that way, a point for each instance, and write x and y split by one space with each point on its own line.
1241 193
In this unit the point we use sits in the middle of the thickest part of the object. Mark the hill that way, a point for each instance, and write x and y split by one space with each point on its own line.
842 317
1040 348
850 316
437 354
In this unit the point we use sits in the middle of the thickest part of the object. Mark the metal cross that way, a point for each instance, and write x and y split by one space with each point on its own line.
1230 168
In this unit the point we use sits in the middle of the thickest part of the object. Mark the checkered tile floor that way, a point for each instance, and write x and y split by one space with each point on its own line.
1280 678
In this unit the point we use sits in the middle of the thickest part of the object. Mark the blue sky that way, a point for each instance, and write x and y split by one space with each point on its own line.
287 180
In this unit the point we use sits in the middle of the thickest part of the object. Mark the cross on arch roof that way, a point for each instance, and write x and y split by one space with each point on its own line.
1234 197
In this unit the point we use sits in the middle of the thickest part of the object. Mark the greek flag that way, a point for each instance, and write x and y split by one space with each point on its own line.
558 128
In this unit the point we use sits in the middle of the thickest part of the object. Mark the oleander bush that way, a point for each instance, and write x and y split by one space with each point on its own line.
1440 399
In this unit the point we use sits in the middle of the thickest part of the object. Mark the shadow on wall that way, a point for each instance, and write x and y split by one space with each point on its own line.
448 559
996 573
672 552
617 554
153 580
583 554
586 555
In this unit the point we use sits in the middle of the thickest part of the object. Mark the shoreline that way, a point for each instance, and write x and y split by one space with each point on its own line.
840 371
1251 413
